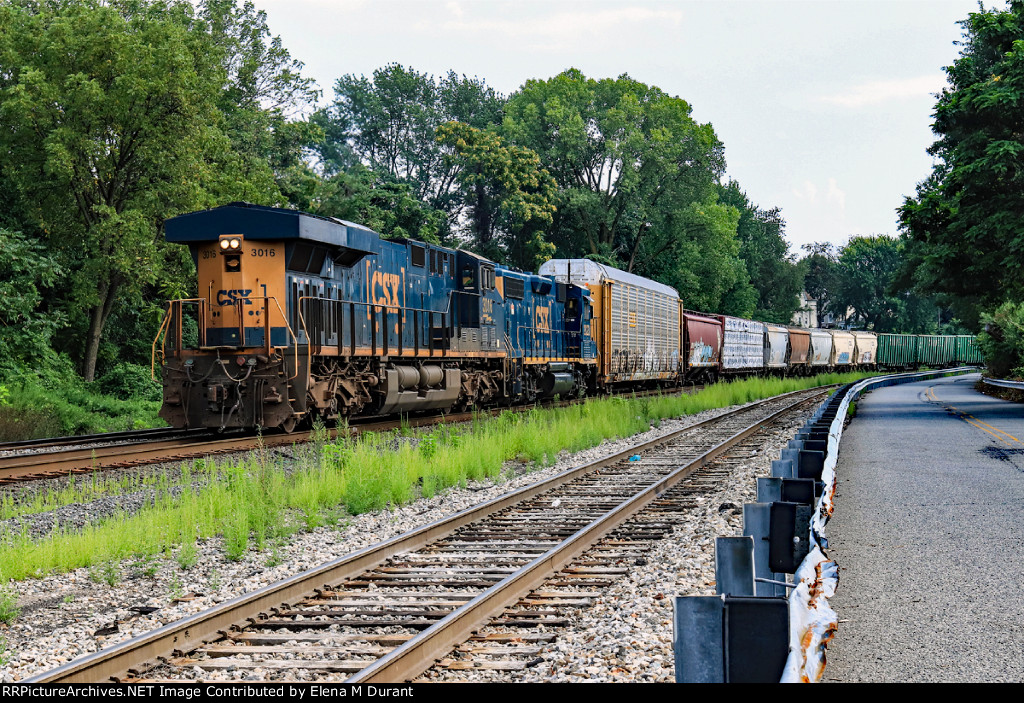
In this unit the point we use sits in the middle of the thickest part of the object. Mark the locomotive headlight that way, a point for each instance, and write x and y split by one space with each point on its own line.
230 243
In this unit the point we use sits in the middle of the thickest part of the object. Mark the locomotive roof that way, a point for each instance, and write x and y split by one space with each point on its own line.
259 222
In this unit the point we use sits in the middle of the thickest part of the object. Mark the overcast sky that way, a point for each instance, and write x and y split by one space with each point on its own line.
824 106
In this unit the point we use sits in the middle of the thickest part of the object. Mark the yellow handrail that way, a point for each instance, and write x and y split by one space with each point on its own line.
165 327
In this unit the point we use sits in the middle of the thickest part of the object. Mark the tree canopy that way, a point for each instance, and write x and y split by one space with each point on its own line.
118 114
622 152
121 113
965 224
865 281
775 276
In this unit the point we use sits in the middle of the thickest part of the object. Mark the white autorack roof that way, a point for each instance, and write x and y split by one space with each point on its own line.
584 271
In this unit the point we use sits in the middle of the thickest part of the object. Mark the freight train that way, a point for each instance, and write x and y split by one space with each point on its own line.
300 316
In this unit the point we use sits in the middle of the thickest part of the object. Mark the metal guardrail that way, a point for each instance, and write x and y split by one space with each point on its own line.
783 535
1016 385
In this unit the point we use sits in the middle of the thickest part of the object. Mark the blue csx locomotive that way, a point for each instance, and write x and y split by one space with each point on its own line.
299 315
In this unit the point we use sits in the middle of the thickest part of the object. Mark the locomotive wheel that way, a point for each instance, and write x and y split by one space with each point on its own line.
289 425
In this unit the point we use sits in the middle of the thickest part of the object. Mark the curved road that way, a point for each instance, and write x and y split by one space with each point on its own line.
928 536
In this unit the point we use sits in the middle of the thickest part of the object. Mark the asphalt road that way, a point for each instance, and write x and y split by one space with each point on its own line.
927 534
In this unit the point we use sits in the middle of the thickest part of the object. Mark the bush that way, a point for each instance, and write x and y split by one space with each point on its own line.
130 382
50 405
1002 340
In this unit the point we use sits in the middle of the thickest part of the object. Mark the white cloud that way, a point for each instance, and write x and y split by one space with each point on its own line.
806 191
876 92
455 9
835 195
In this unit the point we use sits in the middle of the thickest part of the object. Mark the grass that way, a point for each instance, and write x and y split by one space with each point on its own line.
9 610
257 502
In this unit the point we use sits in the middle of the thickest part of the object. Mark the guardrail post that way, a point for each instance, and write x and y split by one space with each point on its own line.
811 464
756 525
734 566
769 490
728 639
782 468
698 643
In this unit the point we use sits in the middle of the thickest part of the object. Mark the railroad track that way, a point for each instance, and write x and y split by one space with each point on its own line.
35 460
50 443
389 612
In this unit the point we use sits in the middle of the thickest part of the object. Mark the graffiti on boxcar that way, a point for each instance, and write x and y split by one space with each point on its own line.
701 354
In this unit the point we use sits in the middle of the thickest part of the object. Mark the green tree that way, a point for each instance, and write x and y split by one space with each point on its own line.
263 95
866 273
389 123
775 276
384 205
107 119
624 155
965 224
26 272
820 270
115 118
693 248
510 196
1002 340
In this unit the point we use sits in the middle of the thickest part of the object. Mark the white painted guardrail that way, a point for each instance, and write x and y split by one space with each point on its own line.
812 622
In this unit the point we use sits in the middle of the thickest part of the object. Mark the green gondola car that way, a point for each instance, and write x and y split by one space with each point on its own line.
968 351
911 351
897 351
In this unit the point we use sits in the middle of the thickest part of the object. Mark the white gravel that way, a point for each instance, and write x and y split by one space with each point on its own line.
626 635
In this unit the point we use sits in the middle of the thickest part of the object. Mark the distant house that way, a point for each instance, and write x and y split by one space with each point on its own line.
848 321
807 315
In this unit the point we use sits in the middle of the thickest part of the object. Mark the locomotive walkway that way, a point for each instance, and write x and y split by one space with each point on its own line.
928 535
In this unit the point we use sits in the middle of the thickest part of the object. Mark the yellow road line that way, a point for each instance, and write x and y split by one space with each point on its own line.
963 416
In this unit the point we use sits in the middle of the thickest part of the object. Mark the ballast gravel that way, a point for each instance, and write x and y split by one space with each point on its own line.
625 636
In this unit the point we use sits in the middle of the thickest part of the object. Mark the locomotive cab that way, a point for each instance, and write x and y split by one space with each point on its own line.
236 354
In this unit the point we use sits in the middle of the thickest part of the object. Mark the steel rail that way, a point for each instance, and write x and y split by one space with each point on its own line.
121 436
55 464
420 653
136 654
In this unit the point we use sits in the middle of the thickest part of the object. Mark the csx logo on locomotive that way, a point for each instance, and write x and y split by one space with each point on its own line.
231 297
543 319
386 288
